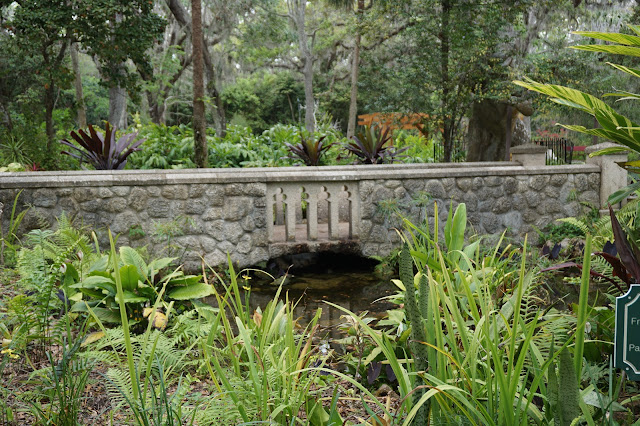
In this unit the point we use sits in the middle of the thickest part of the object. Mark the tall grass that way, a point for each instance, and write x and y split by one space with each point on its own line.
260 361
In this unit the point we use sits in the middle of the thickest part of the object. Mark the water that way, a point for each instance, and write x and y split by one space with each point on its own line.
347 281
355 291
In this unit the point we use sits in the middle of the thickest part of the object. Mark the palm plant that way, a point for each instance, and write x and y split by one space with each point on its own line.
613 125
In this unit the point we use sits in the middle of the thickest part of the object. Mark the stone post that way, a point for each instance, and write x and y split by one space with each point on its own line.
612 176
529 155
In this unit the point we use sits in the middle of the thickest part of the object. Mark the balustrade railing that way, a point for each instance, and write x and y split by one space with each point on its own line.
329 210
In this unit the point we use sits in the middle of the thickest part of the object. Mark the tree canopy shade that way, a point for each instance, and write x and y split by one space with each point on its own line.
112 31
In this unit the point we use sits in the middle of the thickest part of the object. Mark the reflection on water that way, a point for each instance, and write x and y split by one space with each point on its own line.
356 291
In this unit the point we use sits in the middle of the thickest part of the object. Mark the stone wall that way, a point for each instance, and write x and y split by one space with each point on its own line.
222 211
517 203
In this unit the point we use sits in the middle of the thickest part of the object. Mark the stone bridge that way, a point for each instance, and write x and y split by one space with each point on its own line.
263 213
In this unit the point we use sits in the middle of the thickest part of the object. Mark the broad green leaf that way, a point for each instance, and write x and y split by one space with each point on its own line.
130 297
208 312
633 71
93 281
131 257
185 280
609 151
622 194
459 227
626 39
130 276
158 264
566 95
99 265
194 291
107 315
605 48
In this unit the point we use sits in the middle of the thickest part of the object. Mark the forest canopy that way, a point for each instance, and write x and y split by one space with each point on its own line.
65 65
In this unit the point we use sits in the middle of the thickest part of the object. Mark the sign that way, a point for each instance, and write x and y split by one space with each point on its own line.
627 337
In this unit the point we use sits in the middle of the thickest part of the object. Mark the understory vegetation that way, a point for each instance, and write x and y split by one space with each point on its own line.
93 335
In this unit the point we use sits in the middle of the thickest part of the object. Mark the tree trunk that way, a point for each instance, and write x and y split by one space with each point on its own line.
81 109
199 124
49 103
118 107
298 10
219 117
446 103
355 64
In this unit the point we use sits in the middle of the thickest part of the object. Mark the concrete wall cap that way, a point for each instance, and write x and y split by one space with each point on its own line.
528 148
593 148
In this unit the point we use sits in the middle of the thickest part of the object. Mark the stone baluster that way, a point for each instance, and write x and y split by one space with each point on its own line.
279 208
272 195
292 201
354 209
312 192
334 191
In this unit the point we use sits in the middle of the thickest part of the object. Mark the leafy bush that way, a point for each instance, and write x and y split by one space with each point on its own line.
141 283
165 147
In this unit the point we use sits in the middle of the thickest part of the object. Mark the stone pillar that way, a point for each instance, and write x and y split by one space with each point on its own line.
312 191
612 176
529 155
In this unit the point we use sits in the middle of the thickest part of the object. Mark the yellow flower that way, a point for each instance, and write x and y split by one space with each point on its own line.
246 277
10 353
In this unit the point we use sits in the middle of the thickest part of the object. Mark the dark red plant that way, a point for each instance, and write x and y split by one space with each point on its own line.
308 150
103 151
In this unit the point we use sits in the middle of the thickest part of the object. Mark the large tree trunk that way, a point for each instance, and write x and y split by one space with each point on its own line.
489 126
448 124
49 103
353 102
199 124
80 106
355 65
118 107
219 117
297 13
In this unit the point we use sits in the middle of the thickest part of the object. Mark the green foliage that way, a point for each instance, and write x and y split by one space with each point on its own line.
103 152
418 149
61 386
612 125
8 239
164 147
142 283
260 362
263 99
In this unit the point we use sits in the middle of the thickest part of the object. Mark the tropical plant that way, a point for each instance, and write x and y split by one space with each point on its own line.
481 349
612 125
369 147
142 283
103 152
165 147
142 383
308 150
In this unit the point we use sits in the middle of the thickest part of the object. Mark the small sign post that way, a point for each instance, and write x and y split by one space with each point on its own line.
627 335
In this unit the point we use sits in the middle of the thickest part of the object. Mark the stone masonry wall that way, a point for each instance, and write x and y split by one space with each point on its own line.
220 211
494 203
